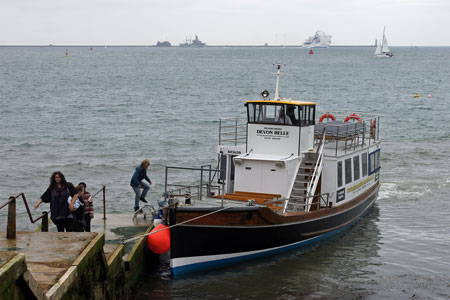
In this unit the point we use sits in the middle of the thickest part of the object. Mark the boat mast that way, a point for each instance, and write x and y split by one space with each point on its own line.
277 87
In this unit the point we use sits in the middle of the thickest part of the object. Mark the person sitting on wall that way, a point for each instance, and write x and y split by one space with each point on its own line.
137 183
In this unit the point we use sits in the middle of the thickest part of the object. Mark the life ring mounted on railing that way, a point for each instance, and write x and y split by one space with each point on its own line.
328 116
373 126
352 117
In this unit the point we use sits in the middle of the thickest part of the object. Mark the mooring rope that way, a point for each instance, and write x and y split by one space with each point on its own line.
184 222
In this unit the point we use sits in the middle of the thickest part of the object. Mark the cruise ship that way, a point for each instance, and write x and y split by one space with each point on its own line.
319 40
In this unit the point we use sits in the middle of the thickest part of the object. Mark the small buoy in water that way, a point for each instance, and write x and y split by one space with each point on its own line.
92 49
159 242
416 96
429 96
311 51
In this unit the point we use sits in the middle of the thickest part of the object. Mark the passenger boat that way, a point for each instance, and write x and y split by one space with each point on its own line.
283 181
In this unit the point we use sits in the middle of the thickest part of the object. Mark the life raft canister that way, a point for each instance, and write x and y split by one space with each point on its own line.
159 242
328 116
352 117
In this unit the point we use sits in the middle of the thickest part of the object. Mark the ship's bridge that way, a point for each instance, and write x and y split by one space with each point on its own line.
278 132
280 127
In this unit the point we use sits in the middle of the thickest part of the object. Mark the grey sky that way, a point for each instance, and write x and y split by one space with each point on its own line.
226 22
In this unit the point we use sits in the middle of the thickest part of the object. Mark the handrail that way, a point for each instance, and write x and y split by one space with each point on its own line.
14 198
319 200
103 188
232 129
11 226
315 178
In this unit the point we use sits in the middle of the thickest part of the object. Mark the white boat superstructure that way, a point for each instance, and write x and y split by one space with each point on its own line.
382 50
319 40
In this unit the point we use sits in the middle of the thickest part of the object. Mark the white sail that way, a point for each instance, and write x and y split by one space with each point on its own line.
378 50
385 46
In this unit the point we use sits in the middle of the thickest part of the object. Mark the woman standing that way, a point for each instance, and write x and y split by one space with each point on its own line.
57 194
137 183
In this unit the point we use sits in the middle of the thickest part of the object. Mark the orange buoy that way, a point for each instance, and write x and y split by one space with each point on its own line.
159 242
328 116
352 117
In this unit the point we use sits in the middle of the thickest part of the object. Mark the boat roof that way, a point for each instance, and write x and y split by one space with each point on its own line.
283 101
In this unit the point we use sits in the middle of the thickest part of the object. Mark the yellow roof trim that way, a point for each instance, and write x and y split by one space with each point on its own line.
282 101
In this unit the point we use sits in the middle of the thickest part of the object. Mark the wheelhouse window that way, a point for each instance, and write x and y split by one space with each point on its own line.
356 167
364 164
280 113
348 170
374 161
339 173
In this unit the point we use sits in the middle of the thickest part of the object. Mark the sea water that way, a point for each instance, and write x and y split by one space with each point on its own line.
96 114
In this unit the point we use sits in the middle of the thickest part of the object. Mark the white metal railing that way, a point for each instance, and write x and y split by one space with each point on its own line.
347 136
232 131
296 204
314 180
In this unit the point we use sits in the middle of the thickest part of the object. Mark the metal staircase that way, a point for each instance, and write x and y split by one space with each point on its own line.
307 179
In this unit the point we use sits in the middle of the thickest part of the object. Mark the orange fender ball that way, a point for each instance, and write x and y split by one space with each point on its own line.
159 242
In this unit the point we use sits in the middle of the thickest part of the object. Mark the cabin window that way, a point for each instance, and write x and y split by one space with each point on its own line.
307 115
285 114
348 170
364 164
356 167
374 161
339 173
223 167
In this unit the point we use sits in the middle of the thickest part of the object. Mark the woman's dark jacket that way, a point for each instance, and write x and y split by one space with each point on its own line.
59 208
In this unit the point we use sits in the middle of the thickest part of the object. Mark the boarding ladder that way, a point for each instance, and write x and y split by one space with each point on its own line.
308 176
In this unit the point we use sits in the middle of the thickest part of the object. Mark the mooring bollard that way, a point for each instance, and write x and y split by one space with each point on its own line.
44 226
11 227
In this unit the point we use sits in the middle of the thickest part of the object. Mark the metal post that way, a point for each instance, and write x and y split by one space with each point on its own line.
44 226
223 193
104 203
220 132
165 186
11 227
235 132
201 183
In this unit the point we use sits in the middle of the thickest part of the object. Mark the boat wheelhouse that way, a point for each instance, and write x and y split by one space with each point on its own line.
285 181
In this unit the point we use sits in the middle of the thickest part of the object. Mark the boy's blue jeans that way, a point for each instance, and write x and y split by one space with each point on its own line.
145 188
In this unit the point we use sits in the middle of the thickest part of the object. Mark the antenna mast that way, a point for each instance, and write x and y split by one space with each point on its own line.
277 94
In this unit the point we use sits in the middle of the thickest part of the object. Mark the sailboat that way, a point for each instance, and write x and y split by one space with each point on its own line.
383 50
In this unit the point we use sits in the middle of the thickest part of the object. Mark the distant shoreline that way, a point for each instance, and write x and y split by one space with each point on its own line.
208 46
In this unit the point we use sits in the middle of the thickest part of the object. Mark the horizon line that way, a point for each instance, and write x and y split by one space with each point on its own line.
206 46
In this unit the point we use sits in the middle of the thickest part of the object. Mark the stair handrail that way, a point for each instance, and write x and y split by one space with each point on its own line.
11 225
312 184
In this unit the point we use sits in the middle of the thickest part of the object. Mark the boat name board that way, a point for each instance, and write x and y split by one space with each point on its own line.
272 133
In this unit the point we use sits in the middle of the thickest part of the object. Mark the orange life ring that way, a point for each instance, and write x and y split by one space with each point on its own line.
352 117
372 128
328 116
